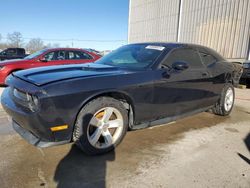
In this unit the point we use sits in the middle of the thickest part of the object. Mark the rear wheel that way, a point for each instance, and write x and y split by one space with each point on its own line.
225 104
101 125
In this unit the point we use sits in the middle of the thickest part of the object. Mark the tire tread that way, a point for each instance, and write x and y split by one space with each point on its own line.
219 108
83 144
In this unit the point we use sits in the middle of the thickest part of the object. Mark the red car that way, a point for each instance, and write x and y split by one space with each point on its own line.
46 57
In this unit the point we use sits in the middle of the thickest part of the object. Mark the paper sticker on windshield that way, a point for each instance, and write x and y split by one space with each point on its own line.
160 48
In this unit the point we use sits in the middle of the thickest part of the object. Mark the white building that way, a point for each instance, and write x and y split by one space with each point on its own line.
223 25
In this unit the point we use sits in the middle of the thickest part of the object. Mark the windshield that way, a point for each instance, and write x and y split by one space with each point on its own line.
36 54
132 56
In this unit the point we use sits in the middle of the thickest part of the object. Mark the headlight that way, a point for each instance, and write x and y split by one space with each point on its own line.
31 101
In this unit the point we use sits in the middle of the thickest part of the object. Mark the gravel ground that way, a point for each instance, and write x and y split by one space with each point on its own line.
204 150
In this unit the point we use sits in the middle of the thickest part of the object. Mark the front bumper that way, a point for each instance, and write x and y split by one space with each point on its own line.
32 126
32 139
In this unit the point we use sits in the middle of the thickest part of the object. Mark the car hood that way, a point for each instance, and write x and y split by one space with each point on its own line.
46 75
12 61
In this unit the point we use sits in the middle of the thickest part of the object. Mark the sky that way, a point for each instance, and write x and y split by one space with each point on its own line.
104 23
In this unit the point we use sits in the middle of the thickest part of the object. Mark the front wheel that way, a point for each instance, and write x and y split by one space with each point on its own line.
100 125
225 104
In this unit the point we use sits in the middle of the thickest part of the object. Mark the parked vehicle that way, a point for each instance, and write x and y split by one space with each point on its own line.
245 78
93 51
12 53
105 52
136 86
46 57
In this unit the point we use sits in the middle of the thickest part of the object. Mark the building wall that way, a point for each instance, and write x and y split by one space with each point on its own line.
154 20
223 25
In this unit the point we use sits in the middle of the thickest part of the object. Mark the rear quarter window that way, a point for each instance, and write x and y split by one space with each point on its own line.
207 59
83 55
209 56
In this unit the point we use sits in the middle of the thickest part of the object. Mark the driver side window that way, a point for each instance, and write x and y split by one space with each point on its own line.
49 56
187 55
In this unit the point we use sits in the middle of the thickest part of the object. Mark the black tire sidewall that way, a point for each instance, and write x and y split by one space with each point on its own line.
85 116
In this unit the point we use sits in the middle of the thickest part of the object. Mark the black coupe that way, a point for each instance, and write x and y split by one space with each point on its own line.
135 86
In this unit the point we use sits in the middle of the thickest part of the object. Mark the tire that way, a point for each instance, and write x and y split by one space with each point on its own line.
224 105
93 125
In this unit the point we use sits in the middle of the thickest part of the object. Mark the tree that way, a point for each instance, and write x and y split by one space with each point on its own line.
2 44
53 45
15 39
35 45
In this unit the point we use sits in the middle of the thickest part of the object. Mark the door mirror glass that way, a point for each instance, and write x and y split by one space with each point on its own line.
180 65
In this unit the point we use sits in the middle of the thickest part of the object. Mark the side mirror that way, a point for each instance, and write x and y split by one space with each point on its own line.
43 59
180 65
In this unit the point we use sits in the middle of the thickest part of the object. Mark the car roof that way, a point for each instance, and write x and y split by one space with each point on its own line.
172 44
14 48
65 49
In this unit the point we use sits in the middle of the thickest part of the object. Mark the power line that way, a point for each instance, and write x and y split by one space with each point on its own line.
73 40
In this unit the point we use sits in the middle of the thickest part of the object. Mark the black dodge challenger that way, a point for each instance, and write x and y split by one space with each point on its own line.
135 86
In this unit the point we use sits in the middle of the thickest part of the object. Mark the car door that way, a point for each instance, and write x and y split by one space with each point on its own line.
54 57
211 61
76 57
178 92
